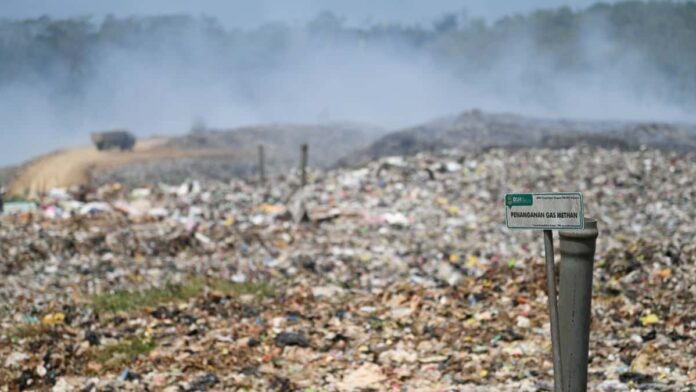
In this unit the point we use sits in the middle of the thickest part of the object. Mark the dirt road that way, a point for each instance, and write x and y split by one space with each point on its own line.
73 166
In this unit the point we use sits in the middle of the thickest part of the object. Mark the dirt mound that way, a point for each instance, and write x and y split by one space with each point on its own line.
74 166
214 154
475 131
7 174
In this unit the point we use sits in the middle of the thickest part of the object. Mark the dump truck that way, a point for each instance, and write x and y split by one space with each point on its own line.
116 139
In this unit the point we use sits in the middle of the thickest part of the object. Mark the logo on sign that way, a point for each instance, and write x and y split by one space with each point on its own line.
519 199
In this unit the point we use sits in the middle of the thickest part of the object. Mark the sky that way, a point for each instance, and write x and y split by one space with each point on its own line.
249 13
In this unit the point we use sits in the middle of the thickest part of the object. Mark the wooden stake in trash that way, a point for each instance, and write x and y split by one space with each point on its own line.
553 310
303 164
262 167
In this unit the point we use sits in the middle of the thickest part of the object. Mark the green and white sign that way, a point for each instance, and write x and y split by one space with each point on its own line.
544 211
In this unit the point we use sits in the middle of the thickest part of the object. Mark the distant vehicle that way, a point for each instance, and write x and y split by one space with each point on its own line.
116 139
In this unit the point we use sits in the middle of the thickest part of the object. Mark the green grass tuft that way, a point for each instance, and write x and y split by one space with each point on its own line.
121 354
29 331
258 289
124 300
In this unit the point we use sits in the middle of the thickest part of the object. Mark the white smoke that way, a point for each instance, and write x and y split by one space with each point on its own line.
163 85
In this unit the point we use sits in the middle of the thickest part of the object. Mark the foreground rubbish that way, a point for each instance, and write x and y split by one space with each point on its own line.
398 275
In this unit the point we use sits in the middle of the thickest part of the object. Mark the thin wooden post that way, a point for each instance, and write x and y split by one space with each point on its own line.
262 165
303 163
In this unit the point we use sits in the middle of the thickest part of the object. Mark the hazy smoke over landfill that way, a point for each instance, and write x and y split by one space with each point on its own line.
312 68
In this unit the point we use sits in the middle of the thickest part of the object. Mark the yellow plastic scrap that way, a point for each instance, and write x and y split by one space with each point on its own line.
471 261
53 318
453 211
632 247
272 209
454 258
649 319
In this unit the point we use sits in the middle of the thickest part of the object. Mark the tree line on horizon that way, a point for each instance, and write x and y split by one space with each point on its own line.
661 35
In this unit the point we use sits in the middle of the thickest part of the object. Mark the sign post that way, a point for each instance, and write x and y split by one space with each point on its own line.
553 310
569 338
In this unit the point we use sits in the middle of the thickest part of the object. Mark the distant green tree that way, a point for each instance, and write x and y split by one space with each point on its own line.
659 34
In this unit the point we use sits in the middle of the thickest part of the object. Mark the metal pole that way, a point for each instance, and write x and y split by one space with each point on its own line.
303 164
577 259
262 168
553 310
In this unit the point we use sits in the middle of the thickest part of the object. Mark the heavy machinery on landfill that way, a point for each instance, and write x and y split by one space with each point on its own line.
116 139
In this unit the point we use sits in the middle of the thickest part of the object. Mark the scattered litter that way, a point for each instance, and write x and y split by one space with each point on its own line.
291 339
371 278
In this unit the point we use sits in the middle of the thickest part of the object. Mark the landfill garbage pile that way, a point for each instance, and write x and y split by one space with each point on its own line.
475 130
397 275
281 150
209 168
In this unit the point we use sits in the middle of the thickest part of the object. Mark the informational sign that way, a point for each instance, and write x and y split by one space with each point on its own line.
544 211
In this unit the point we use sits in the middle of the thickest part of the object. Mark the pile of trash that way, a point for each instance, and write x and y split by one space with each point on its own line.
397 275
474 130
221 154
